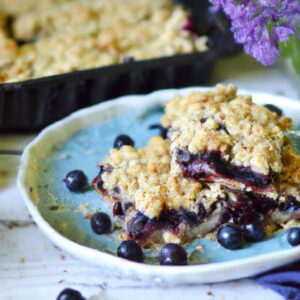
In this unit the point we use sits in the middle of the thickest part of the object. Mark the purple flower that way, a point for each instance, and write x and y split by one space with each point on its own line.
260 25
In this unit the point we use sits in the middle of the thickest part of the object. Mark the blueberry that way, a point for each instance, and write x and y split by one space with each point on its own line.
172 254
130 250
101 223
274 109
293 236
123 140
76 181
163 132
254 232
230 237
70 294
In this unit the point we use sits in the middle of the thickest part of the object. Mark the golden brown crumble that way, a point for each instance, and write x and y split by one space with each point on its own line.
60 36
143 177
246 134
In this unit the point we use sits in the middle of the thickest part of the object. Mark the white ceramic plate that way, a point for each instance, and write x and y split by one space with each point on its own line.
65 145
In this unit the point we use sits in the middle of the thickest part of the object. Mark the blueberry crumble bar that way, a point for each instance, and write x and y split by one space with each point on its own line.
223 137
154 207
49 37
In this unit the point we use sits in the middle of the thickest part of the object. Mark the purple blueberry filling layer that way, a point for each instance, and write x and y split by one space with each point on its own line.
141 227
248 208
211 165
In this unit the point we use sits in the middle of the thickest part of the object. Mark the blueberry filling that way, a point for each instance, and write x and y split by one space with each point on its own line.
291 205
117 209
141 227
136 226
205 165
248 208
221 126
98 181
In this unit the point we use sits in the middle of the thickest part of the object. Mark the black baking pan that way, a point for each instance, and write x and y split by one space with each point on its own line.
35 103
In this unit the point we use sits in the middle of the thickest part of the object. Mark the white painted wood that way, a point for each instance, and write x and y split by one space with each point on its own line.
32 268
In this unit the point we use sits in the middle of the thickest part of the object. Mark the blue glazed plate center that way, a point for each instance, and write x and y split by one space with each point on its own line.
68 212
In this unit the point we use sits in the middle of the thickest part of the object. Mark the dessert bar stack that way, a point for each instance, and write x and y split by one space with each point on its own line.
225 160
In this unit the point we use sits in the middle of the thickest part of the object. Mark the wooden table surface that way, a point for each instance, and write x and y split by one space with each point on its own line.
31 267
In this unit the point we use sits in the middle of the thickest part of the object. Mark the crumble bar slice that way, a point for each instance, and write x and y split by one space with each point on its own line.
148 203
152 206
226 139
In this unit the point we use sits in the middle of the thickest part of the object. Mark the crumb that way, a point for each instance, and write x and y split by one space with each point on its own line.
62 257
89 216
54 207
3 173
210 293
200 248
30 189
61 281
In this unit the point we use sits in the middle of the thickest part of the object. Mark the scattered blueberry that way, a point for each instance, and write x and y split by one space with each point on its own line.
201 212
293 236
76 181
130 250
230 237
70 294
254 232
101 223
172 254
163 132
274 109
123 140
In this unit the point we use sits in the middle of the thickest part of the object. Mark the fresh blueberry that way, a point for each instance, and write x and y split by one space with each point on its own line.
293 236
172 254
230 237
254 232
130 250
70 294
101 223
76 181
163 132
274 109
123 140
